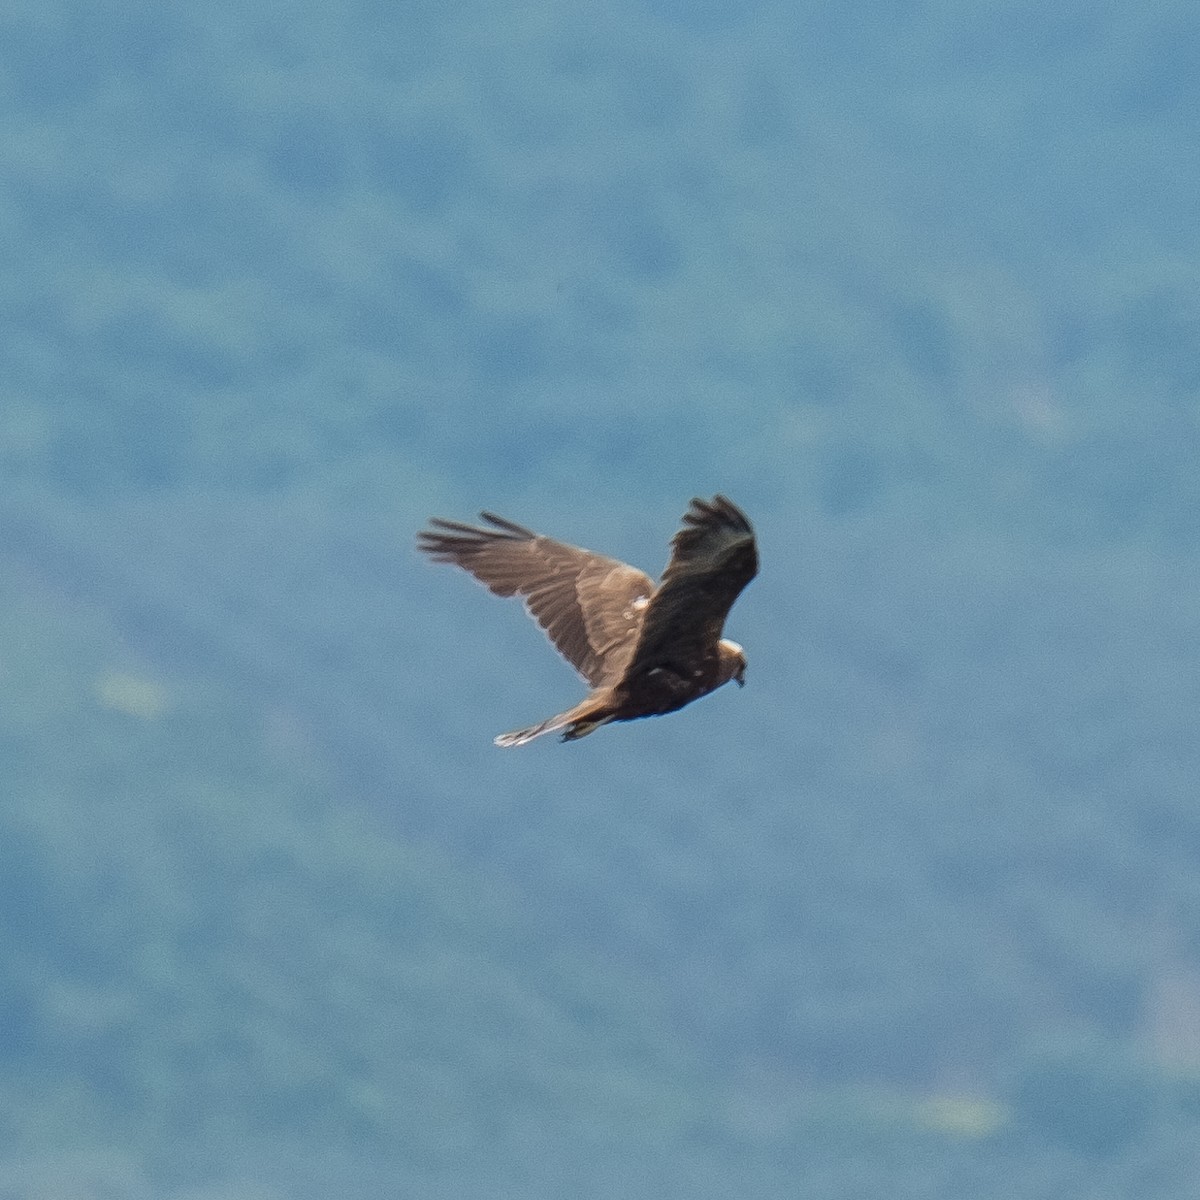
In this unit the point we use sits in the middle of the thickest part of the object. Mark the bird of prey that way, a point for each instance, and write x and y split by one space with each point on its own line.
643 650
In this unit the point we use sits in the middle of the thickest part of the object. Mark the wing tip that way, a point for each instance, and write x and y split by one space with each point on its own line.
510 528
720 510
443 539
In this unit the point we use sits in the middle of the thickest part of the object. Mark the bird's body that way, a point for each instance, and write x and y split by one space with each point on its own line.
644 650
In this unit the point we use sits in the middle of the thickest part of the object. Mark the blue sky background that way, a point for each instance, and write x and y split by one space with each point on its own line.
914 913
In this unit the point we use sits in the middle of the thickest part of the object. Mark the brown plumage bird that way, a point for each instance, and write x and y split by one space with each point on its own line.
643 650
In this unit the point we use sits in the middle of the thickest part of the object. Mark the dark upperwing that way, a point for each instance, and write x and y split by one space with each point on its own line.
713 557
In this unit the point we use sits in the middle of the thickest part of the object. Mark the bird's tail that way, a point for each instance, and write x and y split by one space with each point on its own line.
578 722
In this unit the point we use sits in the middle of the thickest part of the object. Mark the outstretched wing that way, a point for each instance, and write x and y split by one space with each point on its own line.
713 557
590 606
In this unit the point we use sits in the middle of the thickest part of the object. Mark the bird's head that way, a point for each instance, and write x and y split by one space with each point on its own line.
732 662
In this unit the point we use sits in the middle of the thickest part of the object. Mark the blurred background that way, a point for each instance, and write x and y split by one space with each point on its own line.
915 915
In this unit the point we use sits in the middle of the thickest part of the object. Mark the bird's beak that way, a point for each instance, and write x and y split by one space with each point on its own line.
740 678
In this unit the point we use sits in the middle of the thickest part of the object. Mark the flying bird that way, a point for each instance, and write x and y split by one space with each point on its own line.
643 650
